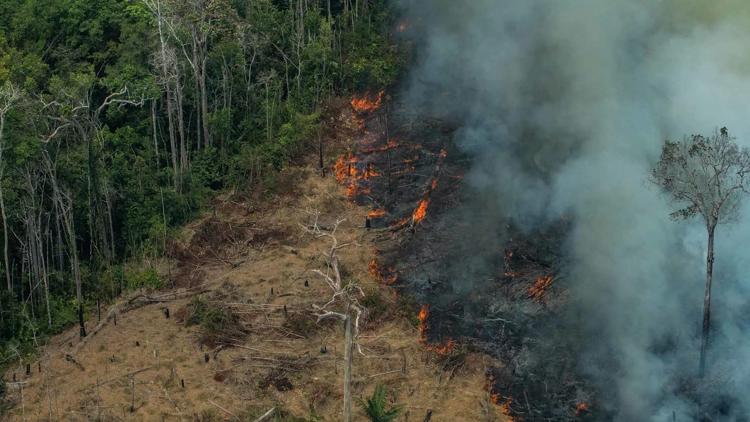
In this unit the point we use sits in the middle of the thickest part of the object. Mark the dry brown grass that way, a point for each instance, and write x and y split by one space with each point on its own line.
283 358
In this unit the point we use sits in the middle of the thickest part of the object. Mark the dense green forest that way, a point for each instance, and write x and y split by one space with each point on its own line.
120 118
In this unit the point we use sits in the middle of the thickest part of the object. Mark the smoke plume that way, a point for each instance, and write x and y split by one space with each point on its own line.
563 107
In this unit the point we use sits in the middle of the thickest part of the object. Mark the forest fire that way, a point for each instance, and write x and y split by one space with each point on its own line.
348 173
370 172
345 167
582 408
379 213
441 349
387 277
503 402
391 144
365 104
540 287
421 211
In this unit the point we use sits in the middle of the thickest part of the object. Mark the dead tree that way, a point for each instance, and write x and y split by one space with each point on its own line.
343 304
706 176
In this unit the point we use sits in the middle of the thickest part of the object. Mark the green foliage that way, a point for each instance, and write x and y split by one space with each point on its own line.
95 62
376 407
136 278
376 305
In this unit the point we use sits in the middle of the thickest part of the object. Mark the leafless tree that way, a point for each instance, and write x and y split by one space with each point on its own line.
169 79
343 305
706 176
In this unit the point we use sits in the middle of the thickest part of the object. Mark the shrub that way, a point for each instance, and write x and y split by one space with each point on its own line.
375 407
218 324
143 277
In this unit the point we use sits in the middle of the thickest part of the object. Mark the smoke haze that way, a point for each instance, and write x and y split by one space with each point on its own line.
563 107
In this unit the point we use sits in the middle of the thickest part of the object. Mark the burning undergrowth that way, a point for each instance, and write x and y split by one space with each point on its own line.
498 291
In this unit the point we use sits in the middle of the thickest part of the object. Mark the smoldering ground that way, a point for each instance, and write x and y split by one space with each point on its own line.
563 107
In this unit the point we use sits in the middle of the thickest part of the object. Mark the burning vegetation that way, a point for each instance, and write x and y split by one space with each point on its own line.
443 348
366 104
387 276
504 402
540 288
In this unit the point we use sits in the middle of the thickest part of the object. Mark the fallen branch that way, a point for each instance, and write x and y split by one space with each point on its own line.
266 416
223 409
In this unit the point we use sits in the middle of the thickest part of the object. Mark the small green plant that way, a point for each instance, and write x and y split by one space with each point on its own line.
378 308
218 324
375 407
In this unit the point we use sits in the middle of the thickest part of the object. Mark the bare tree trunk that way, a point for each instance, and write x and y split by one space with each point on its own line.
204 99
707 299
2 209
64 205
348 348
156 9
5 240
184 157
195 63
156 137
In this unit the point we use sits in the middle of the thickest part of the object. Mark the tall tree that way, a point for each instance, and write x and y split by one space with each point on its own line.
9 95
707 177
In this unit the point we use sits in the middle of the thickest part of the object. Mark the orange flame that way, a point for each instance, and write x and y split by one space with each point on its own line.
499 400
345 167
441 349
540 287
376 213
421 211
346 172
582 408
387 277
370 172
365 104
391 144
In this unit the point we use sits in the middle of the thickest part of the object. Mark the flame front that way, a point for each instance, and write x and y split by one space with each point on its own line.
540 287
441 349
387 277
348 173
421 211
503 402
376 213
582 408
365 104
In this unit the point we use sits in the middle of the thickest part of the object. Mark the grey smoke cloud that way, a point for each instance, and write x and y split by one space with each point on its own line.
563 106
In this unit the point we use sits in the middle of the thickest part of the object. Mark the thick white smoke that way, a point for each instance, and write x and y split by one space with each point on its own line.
564 106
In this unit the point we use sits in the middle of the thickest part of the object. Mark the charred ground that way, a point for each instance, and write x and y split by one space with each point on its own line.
488 285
